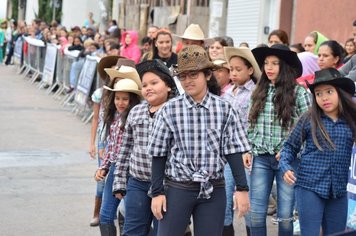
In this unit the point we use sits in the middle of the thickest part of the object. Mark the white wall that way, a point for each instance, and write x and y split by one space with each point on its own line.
31 10
3 8
75 12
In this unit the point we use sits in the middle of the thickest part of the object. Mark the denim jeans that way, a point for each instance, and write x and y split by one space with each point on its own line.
109 204
208 214
138 214
314 211
264 170
100 184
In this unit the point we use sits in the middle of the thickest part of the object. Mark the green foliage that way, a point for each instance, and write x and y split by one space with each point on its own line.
45 11
15 9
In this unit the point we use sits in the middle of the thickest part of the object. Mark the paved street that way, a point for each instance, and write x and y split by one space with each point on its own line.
46 175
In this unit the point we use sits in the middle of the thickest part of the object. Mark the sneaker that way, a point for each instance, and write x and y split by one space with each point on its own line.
296 227
94 222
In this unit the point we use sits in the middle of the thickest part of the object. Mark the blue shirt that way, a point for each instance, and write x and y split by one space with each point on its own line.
323 172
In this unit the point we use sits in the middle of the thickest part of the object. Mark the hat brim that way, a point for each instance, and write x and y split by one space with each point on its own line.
194 68
106 62
289 57
113 73
138 92
244 53
343 83
207 41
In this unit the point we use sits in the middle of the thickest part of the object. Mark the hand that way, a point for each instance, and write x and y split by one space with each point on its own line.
158 205
247 159
92 151
241 202
101 153
278 156
289 177
100 174
119 196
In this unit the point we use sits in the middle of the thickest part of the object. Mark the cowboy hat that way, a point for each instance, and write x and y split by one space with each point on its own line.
333 77
193 58
282 52
221 62
245 53
125 85
194 32
106 62
124 72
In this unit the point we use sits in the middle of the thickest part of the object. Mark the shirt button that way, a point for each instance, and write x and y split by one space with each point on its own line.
271 134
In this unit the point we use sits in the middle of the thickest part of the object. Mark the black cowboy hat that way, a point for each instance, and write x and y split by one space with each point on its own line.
281 51
333 77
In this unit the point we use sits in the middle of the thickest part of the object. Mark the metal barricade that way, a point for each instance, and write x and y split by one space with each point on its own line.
18 55
34 57
68 59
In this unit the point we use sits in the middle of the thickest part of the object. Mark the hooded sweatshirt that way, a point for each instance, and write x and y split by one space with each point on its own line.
319 40
132 50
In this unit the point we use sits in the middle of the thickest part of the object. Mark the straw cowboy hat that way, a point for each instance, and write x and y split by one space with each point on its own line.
193 58
220 61
125 68
106 62
194 32
333 77
281 51
125 85
246 53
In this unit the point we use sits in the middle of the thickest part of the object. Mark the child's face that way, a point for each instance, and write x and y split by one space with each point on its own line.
122 100
239 72
327 99
271 67
194 84
154 89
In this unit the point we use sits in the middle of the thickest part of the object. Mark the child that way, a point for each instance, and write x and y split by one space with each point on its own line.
327 133
125 87
244 72
192 139
276 103
133 168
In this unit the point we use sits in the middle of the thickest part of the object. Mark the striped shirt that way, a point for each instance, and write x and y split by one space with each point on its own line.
132 159
195 138
267 135
323 172
113 140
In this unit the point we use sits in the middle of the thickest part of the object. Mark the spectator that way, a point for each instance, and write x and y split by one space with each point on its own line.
278 37
350 49
313 40
216 48
298 47
130 48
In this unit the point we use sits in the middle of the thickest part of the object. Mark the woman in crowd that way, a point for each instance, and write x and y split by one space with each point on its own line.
278 37
276 104
216 48
313 40
350 49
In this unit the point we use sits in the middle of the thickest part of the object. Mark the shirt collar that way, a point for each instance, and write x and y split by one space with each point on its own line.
204 103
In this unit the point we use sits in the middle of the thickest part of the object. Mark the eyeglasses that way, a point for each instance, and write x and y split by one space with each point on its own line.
191 74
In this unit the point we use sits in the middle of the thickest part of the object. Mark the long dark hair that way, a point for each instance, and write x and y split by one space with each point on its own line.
283 100
346 109
110 108
336 50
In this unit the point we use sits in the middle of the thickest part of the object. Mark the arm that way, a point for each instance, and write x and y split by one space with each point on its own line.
158 203
93 130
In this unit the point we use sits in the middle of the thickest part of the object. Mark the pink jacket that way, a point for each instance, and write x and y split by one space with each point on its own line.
132 50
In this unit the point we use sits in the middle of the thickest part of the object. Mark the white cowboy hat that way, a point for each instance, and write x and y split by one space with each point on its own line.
125 72
246 53
221 61
194 32
125 85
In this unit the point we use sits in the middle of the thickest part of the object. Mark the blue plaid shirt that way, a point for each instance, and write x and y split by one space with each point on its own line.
196 137
323 172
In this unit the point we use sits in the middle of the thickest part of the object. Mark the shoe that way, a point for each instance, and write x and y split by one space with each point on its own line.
94 222
69 90
274 220
188 232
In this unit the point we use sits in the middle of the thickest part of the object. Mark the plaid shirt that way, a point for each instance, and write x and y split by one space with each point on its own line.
267 135
241 100
195 138
323 172
113 140
132 159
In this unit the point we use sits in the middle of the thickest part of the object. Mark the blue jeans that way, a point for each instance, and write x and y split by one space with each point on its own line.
100 184
109 204
264 170
138 214
208 214
314 211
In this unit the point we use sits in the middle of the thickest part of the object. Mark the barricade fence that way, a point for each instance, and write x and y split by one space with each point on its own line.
53 69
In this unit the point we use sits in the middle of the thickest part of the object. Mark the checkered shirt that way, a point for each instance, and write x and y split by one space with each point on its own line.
241 100
132 159
323 172
267 136
195 138
113 140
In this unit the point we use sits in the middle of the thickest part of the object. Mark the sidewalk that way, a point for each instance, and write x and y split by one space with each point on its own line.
46 175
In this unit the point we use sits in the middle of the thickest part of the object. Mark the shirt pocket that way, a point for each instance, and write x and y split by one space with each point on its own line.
213 140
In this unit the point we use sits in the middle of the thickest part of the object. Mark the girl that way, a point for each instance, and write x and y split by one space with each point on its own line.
244 72
162 48
192 139
125 95
276 103
327 133
133 168
130 48
222 74
216 49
